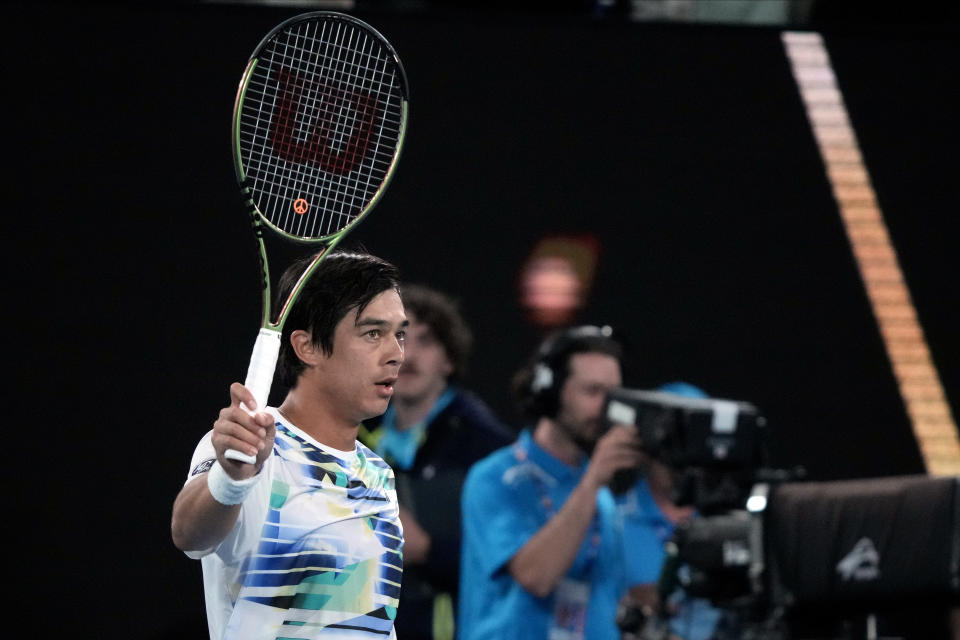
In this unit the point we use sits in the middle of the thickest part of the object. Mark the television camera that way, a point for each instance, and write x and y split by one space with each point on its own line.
774 550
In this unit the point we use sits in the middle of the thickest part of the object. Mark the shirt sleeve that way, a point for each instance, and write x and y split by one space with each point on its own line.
203 457
501 512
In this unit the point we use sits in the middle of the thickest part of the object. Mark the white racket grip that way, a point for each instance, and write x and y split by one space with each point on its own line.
263 362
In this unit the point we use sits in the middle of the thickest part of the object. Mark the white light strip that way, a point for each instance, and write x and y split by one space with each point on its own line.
916 375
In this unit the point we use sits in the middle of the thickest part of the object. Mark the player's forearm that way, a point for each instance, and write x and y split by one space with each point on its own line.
199 522
548 555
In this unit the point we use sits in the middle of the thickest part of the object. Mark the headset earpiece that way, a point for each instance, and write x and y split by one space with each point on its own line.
549 372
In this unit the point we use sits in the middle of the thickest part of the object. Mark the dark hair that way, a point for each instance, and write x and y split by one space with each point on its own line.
343 282
441 313
537 385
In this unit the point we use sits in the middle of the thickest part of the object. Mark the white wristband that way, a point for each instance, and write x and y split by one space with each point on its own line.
225 489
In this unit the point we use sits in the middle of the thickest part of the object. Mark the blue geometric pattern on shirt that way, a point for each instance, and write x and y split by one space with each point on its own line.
379 621
391 560
279 563
301 567
308 570
378 477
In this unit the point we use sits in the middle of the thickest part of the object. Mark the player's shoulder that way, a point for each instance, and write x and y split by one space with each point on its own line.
371 456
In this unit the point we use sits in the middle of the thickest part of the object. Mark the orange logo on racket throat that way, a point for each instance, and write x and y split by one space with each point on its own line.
300 206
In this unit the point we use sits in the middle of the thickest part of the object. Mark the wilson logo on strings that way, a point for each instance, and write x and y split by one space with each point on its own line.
306 127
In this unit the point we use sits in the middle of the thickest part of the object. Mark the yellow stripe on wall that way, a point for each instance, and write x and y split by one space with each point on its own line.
916 375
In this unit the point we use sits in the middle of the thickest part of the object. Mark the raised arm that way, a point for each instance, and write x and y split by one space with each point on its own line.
207 507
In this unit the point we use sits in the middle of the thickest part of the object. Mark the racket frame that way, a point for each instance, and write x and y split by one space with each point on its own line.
267 345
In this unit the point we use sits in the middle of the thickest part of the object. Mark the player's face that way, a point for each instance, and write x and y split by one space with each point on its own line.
358 376
584 392
426 366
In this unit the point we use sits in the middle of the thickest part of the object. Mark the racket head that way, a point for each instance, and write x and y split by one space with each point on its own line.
318 125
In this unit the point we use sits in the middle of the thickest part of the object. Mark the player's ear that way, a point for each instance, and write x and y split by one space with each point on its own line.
302 343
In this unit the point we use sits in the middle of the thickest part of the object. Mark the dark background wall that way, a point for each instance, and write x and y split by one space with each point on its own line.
683 149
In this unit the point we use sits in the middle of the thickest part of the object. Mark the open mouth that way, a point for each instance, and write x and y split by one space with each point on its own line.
387 384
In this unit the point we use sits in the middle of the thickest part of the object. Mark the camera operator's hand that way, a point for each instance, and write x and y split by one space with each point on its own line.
618 448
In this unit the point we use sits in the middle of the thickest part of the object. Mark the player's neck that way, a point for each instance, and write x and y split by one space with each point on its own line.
319 422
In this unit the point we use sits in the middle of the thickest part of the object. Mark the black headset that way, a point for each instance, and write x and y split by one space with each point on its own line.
549 370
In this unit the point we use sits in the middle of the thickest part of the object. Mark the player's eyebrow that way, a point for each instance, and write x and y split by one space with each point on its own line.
368 321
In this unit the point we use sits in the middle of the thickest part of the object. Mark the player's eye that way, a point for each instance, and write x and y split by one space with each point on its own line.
401 336
373 333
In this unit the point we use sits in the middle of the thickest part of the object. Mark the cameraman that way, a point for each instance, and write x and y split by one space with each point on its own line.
649 520
542 547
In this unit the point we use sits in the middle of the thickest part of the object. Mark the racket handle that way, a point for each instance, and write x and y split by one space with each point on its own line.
263 362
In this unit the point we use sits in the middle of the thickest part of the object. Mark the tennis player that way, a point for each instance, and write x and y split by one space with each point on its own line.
306 542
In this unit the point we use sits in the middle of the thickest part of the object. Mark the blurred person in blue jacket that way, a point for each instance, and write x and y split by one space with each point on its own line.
649 520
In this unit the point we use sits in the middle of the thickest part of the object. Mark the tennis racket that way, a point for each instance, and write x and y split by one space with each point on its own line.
318 124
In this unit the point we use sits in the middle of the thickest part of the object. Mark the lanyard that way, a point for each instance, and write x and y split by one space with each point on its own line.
590 548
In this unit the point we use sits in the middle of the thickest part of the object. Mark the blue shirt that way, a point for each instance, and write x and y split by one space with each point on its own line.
646 531
509 496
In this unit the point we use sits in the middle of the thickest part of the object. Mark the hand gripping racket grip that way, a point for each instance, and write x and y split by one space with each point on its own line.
263 362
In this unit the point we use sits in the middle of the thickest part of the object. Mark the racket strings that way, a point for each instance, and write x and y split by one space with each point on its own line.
318 103
351 121
345 121
320 126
